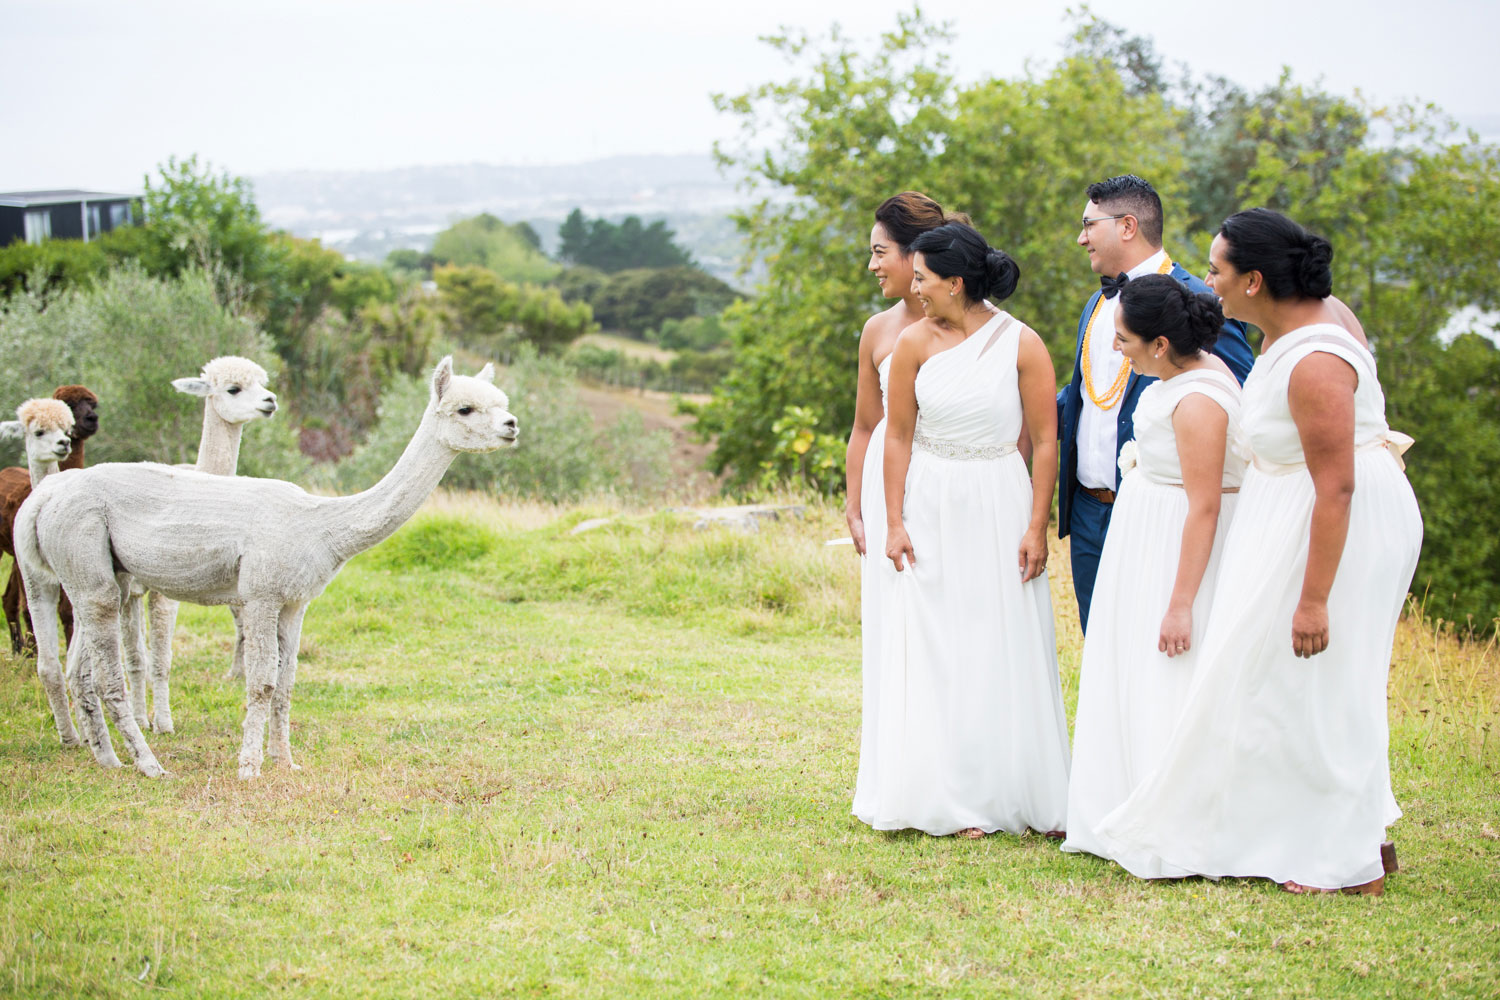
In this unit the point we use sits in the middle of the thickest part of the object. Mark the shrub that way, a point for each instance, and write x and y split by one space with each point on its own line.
561 456
126 339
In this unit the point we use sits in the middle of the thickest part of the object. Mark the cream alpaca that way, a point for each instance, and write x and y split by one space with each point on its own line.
263 546
234 393
47 425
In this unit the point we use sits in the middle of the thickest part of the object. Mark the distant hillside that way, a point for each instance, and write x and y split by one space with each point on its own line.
367 214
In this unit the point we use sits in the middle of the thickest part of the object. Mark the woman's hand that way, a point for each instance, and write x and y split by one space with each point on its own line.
1310 628
1176 631
898 547
1032 556
856 529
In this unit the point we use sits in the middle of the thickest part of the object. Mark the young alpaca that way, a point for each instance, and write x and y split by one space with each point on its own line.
263 546
234 393
15 487
45 424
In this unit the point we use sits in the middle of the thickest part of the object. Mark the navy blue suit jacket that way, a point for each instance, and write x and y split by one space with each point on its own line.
1231 346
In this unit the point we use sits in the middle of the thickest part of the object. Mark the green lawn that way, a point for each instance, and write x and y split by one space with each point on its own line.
620 763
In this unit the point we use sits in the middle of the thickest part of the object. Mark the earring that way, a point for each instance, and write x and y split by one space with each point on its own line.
950 293
1158 355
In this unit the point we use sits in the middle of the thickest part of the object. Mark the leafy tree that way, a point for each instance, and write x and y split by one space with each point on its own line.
639 299
695 333
513 252
1450 401
1016 155
409 262
602 244
483 308
199 217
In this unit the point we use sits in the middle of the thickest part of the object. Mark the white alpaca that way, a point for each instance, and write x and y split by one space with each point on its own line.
46 425
234 393
263 546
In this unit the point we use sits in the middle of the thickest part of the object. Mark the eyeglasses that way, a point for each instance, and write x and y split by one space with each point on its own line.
1103 218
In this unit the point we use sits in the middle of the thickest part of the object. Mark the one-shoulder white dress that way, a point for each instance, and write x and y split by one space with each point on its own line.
1279 765
1129 693
971 731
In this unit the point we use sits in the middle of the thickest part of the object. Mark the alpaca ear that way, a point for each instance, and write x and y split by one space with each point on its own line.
442 377
487 374
11 429
192 386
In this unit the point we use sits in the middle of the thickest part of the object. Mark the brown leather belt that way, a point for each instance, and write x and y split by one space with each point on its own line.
1103 496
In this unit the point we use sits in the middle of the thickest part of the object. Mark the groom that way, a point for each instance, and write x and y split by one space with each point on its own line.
1122 226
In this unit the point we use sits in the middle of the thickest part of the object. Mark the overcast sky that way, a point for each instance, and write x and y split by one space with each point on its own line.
100 91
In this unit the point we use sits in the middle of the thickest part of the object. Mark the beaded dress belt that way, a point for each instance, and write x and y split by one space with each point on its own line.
959 450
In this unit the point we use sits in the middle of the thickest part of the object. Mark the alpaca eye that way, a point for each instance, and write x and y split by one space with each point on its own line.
464 411
39 433
234 390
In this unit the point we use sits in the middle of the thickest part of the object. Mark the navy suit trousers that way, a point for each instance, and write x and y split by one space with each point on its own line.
1090 522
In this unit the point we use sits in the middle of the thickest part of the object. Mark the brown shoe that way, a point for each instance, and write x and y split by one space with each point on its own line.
1388 858
1372 888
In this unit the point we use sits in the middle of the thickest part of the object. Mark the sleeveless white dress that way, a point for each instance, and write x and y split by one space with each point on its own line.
971 730
876 572
1130 694
1279 765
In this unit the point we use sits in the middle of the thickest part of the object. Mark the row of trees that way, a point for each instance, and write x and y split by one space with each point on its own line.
1398 194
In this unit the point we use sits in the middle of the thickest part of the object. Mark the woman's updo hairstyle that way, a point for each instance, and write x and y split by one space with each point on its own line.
956 250
1158 305
910 214
1294 263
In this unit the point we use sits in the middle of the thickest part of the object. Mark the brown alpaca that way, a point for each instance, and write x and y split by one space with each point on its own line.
15 487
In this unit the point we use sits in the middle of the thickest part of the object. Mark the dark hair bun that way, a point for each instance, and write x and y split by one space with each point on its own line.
1203 319
1002 273
1315 268
1158 305
957 250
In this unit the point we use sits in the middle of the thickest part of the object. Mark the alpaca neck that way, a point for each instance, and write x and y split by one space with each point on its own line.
365 519
40 469
219 445
74 460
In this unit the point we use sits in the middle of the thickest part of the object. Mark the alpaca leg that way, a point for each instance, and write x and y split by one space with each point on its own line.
12 603
65 615
237 668
260 620
47 664
289 637
95 617
86 727
163 624
100 638
133 636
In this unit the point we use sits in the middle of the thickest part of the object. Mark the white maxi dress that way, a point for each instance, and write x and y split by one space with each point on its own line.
1279 766
1129 693
970 729
876 572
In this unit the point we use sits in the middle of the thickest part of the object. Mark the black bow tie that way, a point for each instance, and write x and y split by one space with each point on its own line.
1111 286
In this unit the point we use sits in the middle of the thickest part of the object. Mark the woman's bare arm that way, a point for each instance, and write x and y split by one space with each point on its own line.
1038 385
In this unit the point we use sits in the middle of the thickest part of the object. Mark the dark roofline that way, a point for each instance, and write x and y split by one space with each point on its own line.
26 199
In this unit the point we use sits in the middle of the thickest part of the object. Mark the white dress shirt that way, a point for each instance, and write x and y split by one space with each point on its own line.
1097 428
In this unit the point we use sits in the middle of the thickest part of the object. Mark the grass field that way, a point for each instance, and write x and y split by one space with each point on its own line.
620 763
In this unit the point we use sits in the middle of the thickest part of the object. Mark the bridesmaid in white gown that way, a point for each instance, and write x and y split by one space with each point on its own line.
898 221
1279 766
971 736
1157 570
